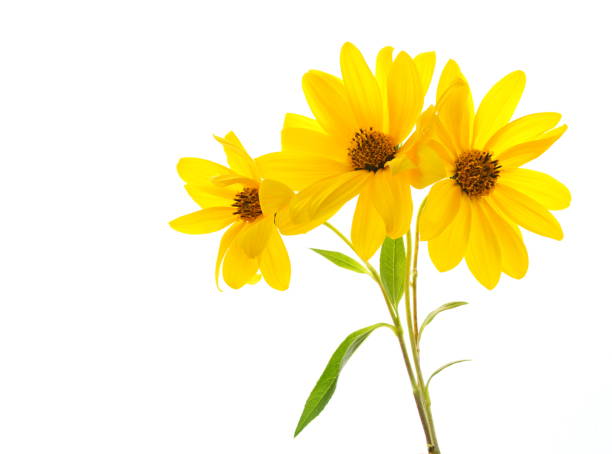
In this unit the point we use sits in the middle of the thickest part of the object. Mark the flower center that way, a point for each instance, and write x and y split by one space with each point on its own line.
247 204
476 172
370 150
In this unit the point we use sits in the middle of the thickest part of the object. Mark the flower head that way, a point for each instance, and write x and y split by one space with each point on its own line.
483 193
354 145
238 197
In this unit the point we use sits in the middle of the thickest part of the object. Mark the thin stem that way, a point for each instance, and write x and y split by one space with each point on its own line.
413 328
417 389
413 282
407 283
341 235
414 273
420 395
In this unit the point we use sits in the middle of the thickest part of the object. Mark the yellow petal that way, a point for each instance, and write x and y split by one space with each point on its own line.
382 197
430 167
237 157
447 249
514 259
255 279
230 180
199 171
323 199
226 240
275 265
328 101
404 96
361 87
301 122
528 151
425 143
525 212
384 61
483 255
400 187
288 226
401 164
368 229
238 268
523 129
455 117
542 188
425 127
342 193
441 206
497 107
425 64
450 74
210 195
255 235
447 155
204 221
274 196
298 170
312 143
397 208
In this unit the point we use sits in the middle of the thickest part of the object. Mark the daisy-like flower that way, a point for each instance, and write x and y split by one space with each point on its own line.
484 194
354 144
239 197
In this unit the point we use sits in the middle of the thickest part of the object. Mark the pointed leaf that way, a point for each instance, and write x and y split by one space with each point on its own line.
325 387
393 268
435 312
342 260
437 371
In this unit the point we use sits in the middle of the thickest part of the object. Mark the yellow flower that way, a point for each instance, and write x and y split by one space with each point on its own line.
484 194
354 144
238 196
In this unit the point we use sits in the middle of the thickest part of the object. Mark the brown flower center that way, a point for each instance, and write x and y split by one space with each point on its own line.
247 204
476 172
371 150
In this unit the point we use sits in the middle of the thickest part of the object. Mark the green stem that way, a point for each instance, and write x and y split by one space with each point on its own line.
417 389
413 328
413 282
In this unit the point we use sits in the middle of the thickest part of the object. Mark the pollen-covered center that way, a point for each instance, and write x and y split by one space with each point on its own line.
370 150
476 173
247 204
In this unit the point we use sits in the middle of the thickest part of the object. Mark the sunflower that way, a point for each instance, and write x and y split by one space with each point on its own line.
484 194
354 145
239 197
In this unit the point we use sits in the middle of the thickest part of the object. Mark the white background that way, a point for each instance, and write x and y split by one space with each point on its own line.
113 338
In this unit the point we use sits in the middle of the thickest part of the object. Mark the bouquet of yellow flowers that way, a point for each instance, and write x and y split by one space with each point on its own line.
372 138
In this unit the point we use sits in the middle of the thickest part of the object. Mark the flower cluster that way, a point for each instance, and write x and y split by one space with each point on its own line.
371 138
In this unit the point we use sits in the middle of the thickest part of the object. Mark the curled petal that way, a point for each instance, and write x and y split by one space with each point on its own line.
237 157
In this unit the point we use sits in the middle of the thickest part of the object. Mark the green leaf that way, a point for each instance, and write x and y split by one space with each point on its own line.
435 312
437 371
393 268
342 260
325 387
